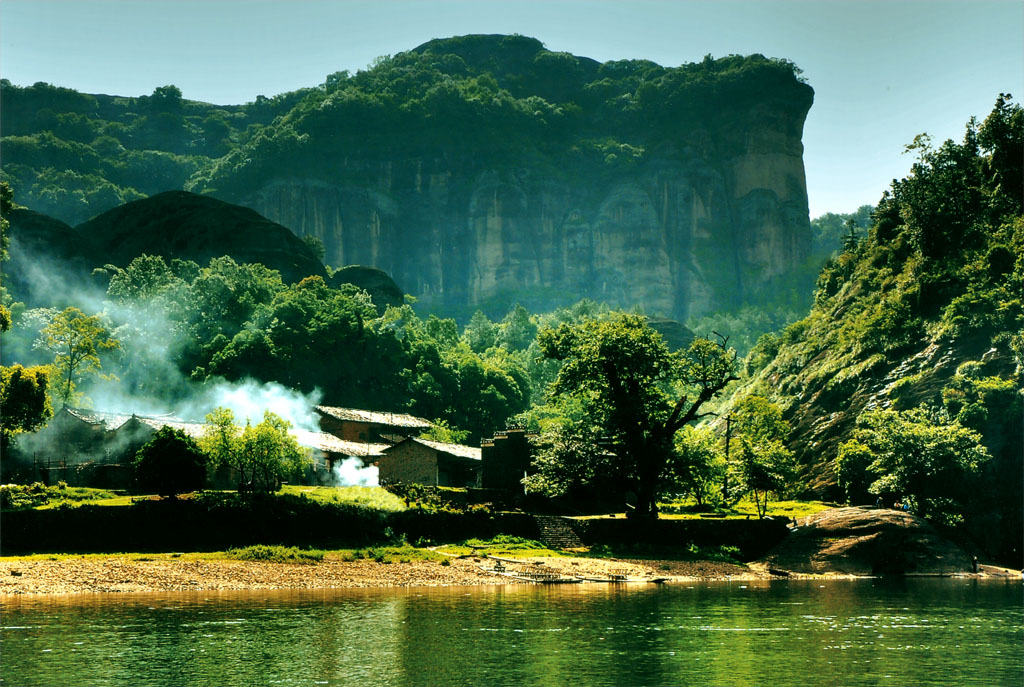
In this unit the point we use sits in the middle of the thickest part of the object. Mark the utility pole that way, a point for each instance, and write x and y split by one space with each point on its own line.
728 441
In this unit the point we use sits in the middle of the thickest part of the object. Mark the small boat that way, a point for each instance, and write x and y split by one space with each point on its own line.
621 579
530 576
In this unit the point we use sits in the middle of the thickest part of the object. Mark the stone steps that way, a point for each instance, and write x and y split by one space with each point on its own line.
557 533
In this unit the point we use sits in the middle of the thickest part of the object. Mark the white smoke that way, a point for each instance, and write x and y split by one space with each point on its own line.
351 473
248 399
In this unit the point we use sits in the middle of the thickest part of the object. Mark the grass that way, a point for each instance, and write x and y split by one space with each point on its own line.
501 545
273 554
276 554
687 510
37 495
724 554
17 496
368 497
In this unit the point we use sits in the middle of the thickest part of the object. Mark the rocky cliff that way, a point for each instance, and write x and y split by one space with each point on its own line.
690 198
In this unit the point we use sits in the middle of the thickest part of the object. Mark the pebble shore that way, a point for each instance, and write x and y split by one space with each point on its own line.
124 575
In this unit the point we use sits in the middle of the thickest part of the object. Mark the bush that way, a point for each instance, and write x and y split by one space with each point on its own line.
276 554
170 464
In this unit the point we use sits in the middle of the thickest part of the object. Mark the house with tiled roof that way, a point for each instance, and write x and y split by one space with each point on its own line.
369 426
430 463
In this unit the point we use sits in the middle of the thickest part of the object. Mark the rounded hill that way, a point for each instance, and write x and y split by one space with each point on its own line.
179 224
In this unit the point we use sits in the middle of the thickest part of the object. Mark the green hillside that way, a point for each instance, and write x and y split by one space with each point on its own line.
923 315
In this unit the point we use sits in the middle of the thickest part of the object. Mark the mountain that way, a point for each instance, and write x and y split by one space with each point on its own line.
506 173
479 171
48 259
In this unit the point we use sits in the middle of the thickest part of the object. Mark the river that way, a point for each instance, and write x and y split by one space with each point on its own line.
908 632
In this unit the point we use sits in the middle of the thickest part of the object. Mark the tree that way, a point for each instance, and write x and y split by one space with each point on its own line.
24 402
924 458
627 378
171 463
765 467
697 463
852 470
262 455
568 461
76 340
480 333
765 464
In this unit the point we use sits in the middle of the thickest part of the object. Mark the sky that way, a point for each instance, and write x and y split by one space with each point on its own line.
882 71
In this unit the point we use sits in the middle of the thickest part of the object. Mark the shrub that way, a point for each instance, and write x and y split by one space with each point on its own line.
170 464
276 554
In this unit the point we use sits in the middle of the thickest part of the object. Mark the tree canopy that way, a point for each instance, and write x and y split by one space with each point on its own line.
636 392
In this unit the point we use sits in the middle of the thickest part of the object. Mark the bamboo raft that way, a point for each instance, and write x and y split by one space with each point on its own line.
534 573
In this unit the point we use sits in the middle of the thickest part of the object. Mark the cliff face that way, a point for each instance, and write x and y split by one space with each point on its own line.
712 220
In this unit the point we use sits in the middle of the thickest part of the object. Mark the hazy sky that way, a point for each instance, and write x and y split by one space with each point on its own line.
882 71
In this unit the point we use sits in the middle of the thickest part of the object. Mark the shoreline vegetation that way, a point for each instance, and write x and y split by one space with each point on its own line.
383 557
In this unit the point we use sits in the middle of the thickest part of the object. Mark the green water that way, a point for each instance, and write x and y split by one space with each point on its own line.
907 633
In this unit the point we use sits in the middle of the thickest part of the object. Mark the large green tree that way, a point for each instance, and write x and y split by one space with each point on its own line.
263 456
24 402
637 392
924 458
170 463
765 464
76 340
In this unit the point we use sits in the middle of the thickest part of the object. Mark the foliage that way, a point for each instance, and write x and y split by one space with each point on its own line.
765 465
636 392
24 400
922 457
36 495
76 340
263 456
170 463
276 554
852 470
698 464
441 431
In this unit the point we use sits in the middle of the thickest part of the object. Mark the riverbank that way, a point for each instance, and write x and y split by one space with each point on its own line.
123 574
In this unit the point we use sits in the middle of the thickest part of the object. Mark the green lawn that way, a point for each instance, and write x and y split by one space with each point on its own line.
17 496
501 545
368 497
686 510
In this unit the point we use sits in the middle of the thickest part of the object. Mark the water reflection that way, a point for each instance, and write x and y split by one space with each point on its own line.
909 632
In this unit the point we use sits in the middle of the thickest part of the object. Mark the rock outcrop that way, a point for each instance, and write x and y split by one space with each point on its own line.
681 190
687 233
867 541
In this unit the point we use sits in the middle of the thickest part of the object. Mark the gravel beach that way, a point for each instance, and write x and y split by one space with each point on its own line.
124 575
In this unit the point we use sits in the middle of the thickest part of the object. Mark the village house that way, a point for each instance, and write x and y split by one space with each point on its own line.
369 426
430 463
506 459
93 448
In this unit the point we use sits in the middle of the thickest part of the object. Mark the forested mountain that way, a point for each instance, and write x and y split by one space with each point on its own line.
478 171
916 336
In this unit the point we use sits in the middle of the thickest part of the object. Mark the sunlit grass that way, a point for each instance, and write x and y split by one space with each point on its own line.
501 545
744 510
376 498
